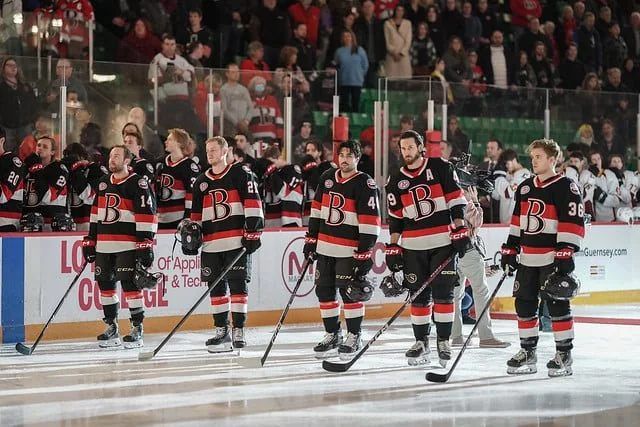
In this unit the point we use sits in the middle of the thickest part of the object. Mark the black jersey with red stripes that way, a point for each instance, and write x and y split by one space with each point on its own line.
345 214
12 174
311 173
282 197
83 179
226 205
123 213
174 189
46 190
547 215
143 167
423 203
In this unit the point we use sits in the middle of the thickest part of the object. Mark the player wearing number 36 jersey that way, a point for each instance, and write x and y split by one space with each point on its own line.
547 228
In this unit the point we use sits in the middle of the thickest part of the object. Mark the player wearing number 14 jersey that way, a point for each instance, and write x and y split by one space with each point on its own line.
547 228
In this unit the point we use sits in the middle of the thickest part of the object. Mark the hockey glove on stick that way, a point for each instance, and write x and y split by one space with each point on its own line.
508 259
393 256
144 253
251 241
89 249
310 245
460 240
563 260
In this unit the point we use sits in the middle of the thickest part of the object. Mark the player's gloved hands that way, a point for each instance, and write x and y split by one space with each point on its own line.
460 240
599 195
310 245
32 160
88 249
594 170
393 256
508 259
251 241
563 260
362 263
144 253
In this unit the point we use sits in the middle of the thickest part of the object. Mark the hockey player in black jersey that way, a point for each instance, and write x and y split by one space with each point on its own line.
343 227
426 222
123 225
227 205
175 173
139 165
46 189
547 228
312 167
83 183
12 173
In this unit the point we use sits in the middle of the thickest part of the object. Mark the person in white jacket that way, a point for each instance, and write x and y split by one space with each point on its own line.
627 179
509 174
609 193
471 267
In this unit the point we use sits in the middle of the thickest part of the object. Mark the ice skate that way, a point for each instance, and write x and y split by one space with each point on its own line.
349 346
134 339
238 338
418 354
221 341
560 365
523 362
493 343
328 345
110 338
444 352
457 341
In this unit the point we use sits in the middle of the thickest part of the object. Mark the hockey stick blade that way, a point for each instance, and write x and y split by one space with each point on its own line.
437 378
327 365
23 349
146 355
249 362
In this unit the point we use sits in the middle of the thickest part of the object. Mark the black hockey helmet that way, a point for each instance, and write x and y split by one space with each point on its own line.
561 287
62 222
190 236
144 279
31 222
359 289
391 287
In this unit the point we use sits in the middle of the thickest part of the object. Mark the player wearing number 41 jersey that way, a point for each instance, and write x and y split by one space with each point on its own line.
343 227
123 225
227 206
547 228
426 223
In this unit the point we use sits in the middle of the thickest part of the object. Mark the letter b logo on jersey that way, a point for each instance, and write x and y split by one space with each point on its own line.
111 208
535 220
336 209
166 186
424 205
220 205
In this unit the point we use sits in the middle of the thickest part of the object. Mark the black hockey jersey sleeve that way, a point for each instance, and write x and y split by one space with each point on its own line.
250 197
368 210
394 207
12 176
145 210
316 206
189 179
570 209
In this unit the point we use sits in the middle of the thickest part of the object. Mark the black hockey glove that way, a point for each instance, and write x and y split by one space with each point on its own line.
251 241
460 240
509 259
89 249
563 260
362 263
594 170
393 256
32 160
599 195
310 245
144 253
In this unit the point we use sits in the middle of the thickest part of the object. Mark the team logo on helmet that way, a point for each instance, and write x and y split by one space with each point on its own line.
403 185
102 186
98 270
328 183
516 286
206 271
411 278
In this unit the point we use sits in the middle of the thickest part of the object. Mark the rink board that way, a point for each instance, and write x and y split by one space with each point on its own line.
36 270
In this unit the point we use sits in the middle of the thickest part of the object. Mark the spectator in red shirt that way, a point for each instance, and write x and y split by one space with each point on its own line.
254 63
385 8
140 45
522 11
304 13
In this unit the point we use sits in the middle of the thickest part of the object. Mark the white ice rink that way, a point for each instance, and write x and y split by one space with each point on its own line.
74 383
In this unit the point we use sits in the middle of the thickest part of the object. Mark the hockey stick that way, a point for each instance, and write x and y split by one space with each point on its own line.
255 362
27 351
343 367
442 378
147 355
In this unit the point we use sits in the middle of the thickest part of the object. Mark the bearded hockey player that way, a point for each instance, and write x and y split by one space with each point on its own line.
343 227
227 205
426 221
123 225
547 228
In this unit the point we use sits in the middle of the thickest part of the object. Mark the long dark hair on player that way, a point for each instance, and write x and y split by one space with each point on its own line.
353 146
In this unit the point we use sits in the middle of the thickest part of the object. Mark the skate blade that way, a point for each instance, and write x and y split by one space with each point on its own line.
563 372
416 361
113 344
215 349
522 370
130 345
347 356
322 355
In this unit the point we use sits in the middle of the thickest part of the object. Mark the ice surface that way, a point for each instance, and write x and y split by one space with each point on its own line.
76 383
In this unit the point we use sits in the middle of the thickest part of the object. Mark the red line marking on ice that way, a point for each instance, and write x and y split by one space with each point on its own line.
579 319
